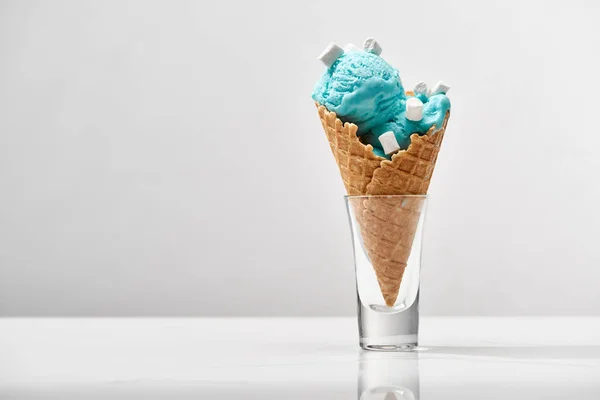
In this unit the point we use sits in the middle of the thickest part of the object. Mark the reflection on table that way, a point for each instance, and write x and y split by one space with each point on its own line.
388 376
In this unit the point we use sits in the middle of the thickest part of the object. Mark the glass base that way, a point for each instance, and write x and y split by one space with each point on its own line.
390 347
391 331
390 343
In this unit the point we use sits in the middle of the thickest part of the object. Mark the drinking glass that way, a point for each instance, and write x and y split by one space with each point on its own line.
387 239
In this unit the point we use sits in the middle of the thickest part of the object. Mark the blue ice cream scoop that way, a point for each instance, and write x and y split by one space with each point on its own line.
434 112
362 88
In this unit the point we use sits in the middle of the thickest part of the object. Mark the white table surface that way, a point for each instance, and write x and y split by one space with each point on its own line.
296 358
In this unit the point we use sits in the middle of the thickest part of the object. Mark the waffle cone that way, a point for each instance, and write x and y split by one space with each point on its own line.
387 228
356 161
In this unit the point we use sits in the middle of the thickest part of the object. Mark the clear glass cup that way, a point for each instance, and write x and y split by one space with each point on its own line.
387 236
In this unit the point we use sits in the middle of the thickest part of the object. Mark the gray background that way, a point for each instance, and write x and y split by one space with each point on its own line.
165 158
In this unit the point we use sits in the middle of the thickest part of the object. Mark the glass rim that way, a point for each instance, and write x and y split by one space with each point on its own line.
366 196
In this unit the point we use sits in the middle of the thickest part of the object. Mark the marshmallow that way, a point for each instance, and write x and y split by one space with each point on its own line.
350 47
414 109
439 87
420 88
331 53
389 143
372 46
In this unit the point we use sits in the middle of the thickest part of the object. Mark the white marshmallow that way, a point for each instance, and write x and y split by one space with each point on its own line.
420 88
439 87
331 53
350 48
372 46
414 109
389 143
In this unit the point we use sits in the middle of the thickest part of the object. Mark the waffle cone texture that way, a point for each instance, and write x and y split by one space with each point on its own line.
387 227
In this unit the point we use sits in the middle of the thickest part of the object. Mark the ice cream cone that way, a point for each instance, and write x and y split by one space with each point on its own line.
387 227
